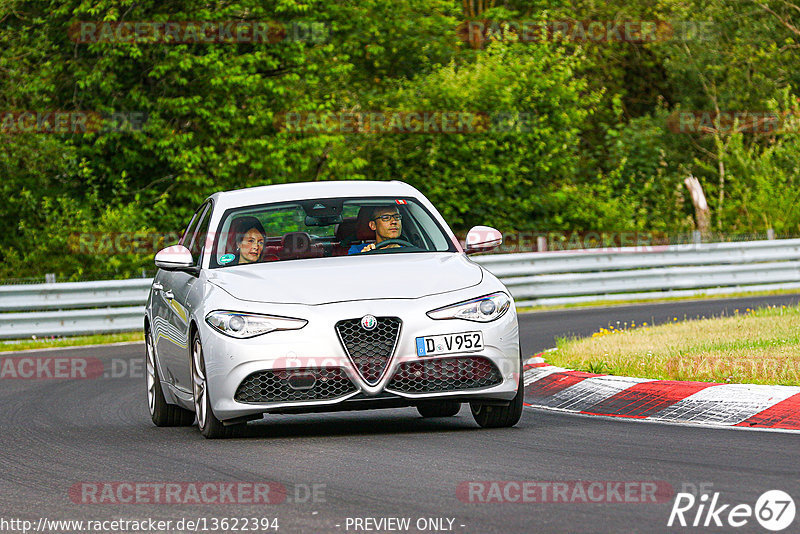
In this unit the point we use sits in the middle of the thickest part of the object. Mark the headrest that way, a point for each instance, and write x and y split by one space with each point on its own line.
346 230
363 231
295 242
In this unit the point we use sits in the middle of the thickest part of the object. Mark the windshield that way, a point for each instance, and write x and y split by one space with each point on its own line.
322 228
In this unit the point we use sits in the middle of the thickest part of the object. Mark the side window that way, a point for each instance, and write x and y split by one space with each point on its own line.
186 240
429 237
199 240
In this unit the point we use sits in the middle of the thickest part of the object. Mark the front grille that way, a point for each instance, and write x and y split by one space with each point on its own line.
369 350
445 374
309 384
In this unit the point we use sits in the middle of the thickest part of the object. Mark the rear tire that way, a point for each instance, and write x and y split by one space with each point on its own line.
488 416
438 408
210 427
161 412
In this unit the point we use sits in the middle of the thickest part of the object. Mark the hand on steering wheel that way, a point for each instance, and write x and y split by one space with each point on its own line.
386 242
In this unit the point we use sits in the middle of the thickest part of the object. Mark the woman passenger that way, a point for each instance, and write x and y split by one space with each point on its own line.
250 237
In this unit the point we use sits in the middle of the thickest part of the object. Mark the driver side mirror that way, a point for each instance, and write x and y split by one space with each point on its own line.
174 258
483 239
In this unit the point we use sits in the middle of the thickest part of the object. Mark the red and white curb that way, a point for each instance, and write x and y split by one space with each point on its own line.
706 403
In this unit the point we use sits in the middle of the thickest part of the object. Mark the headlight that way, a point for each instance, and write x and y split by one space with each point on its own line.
482 310
243 325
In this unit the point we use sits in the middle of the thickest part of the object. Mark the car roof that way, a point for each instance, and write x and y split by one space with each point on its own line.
308 190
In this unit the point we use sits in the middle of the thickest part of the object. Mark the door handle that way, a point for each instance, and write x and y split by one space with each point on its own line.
168 294
157 286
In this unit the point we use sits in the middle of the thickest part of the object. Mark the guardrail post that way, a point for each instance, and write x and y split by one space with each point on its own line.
770 234
50 278
541 244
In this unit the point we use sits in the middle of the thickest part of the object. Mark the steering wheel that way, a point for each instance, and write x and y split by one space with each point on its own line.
386 242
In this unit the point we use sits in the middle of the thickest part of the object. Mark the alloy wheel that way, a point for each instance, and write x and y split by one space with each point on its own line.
151 374
199 383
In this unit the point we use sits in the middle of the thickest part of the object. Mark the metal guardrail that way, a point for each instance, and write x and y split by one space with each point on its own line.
538 278
74 295
122 308
72 322
646 273
625 258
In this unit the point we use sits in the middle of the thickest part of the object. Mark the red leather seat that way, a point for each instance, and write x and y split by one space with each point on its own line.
272 248
297 245
344 235
354 230
363 231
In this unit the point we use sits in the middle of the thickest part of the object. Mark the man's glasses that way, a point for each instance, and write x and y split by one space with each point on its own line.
387 218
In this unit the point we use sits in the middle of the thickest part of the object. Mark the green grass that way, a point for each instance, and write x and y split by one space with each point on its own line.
759 346
610 303
99 339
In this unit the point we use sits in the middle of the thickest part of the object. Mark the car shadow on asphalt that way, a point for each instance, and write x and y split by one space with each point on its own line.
354 423
358 423
368 422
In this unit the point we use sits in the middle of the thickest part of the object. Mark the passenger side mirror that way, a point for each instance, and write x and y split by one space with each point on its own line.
483 239
175 258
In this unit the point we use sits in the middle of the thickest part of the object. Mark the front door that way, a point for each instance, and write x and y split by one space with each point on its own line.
174 348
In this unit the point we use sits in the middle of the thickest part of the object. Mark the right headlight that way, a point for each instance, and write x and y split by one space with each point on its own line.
244 325
481 309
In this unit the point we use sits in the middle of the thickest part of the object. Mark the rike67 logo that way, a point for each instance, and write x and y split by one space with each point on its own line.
774 510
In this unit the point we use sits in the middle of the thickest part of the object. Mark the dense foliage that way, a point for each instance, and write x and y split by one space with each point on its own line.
574 134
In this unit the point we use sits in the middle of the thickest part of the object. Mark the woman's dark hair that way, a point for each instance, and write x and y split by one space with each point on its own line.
243 225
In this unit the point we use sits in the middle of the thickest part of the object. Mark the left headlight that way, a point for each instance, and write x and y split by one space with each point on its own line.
244 325
482 309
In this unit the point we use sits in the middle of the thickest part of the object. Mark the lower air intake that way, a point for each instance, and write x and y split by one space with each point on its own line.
294 385
445 374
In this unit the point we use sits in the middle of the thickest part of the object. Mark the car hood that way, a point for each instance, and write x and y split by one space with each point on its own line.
327 280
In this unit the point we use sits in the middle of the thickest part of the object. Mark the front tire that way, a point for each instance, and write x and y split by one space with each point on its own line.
210 427
161 412
438 408
488 416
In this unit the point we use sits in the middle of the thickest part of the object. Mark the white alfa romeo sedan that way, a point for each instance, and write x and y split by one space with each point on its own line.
326 296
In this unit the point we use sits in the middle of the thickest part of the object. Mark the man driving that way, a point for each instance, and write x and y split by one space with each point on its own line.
386 223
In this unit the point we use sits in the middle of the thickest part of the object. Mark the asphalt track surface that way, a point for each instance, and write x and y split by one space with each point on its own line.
55 434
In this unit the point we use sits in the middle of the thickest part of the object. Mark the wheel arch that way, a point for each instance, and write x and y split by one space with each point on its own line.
193 329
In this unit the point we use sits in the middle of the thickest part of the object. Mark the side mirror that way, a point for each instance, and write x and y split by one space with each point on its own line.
483 239
174 258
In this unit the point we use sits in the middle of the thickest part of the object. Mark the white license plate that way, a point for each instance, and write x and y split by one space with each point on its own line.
448 343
